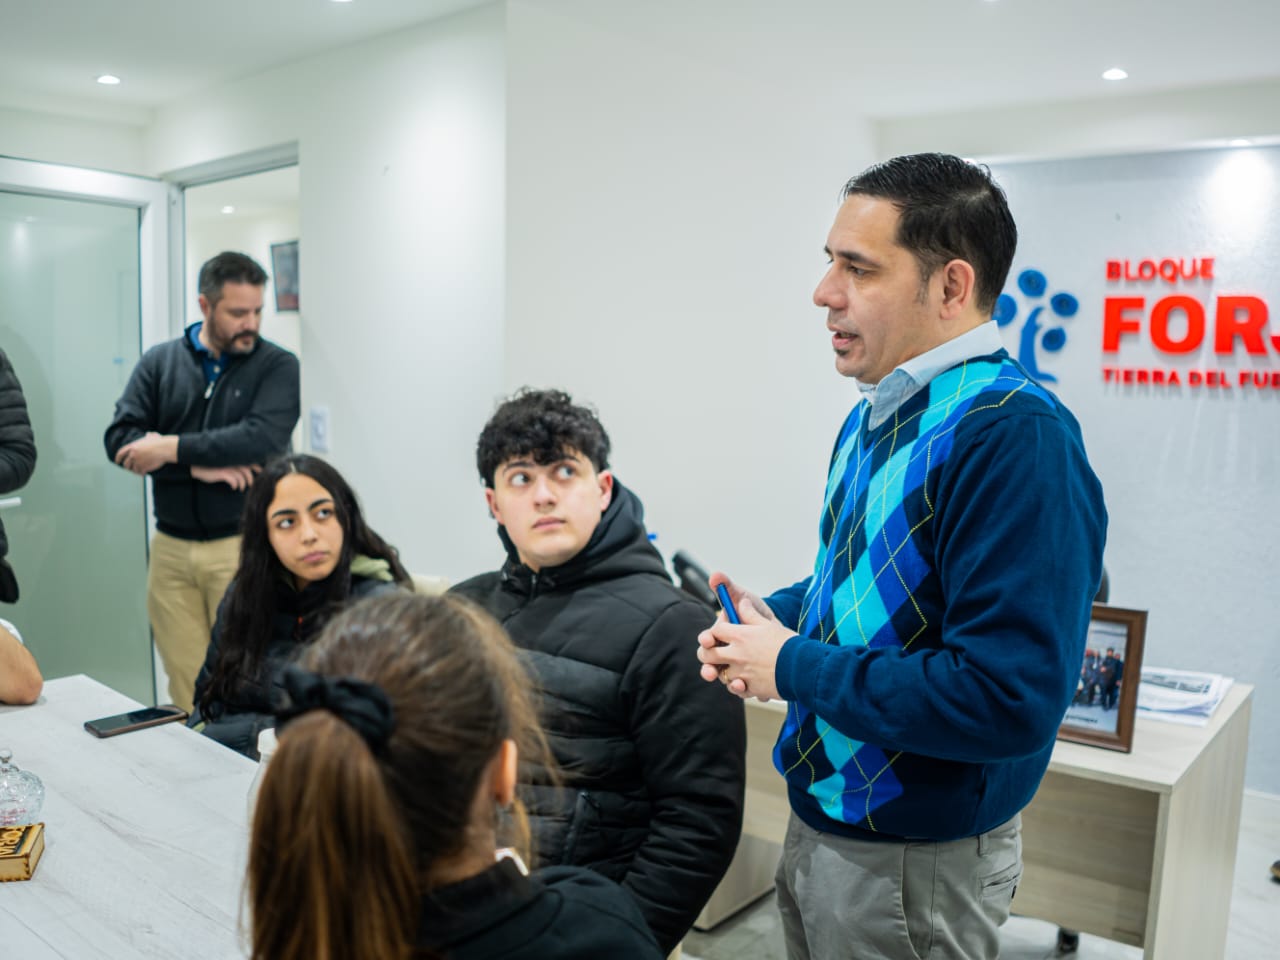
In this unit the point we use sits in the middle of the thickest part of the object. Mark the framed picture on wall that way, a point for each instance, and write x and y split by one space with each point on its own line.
1102 710
284 269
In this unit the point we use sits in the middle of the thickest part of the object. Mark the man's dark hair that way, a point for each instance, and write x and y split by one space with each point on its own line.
544 425
228 267
949 209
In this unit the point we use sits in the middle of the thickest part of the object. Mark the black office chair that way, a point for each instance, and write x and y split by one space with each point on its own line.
692 577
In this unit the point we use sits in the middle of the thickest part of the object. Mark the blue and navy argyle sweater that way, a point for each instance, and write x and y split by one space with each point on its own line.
942 630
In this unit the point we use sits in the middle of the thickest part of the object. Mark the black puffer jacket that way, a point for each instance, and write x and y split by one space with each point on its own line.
651 755
17 458
236 721
560 913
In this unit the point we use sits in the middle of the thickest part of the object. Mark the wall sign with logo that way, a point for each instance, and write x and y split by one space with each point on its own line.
1165 302
1170 362
1147 276
1042 320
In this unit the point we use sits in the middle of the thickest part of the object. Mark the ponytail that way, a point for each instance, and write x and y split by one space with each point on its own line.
331 872
392 722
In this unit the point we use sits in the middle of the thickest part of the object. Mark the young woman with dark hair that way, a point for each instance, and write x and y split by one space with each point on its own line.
306 552
379 818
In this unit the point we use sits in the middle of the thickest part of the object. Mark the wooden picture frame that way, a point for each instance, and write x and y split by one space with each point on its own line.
1102 711
284 268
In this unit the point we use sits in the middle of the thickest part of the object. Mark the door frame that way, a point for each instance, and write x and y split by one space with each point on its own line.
157 298
211 171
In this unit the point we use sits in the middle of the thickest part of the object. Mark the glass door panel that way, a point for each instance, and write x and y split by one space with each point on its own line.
70 324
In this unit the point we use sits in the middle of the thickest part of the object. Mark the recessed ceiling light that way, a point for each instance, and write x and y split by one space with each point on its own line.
1115 73
228 209
108 80
1240 142
341 1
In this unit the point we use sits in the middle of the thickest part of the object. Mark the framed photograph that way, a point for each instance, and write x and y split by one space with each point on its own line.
1106 697
284 270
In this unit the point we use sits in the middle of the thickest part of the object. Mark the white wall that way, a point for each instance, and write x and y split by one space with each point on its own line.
402 154
665 233
1105 125
76 141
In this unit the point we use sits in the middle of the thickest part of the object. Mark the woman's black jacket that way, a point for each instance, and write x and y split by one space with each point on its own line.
237 719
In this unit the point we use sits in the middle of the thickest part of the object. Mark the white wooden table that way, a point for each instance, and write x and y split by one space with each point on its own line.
146 835
1141 847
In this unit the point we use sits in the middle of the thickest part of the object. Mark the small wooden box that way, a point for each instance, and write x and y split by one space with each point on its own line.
20 849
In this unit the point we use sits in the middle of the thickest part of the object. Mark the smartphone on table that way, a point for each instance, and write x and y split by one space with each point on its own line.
138 719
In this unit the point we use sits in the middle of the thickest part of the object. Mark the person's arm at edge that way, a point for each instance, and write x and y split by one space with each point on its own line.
18 450
20 679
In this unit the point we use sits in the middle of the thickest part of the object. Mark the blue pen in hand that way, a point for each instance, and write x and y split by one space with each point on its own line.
723 593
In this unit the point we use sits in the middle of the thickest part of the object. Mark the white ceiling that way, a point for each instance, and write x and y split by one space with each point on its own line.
903 57
884 58
51 51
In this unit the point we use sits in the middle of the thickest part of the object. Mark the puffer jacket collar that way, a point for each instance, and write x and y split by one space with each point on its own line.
619 546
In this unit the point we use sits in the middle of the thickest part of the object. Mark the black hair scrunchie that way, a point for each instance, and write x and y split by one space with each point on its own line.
362 706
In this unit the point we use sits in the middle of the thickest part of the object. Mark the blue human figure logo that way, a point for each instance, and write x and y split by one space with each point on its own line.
1035 335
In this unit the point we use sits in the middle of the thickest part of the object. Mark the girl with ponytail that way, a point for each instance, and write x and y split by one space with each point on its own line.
380 817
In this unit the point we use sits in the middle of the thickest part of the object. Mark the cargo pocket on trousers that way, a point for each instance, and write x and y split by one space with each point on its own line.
997 893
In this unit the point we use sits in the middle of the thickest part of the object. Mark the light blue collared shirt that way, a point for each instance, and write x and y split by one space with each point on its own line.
908 379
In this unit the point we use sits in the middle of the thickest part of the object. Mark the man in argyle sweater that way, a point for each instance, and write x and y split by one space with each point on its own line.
929 658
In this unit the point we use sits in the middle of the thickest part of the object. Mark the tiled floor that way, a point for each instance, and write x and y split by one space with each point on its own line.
1254 934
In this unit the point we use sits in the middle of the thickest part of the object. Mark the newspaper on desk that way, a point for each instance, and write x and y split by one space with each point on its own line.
1180 696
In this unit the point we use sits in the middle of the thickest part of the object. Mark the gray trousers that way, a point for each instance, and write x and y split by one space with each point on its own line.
844 899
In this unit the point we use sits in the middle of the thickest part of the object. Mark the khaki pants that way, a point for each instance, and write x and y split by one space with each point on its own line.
185 583
845 899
